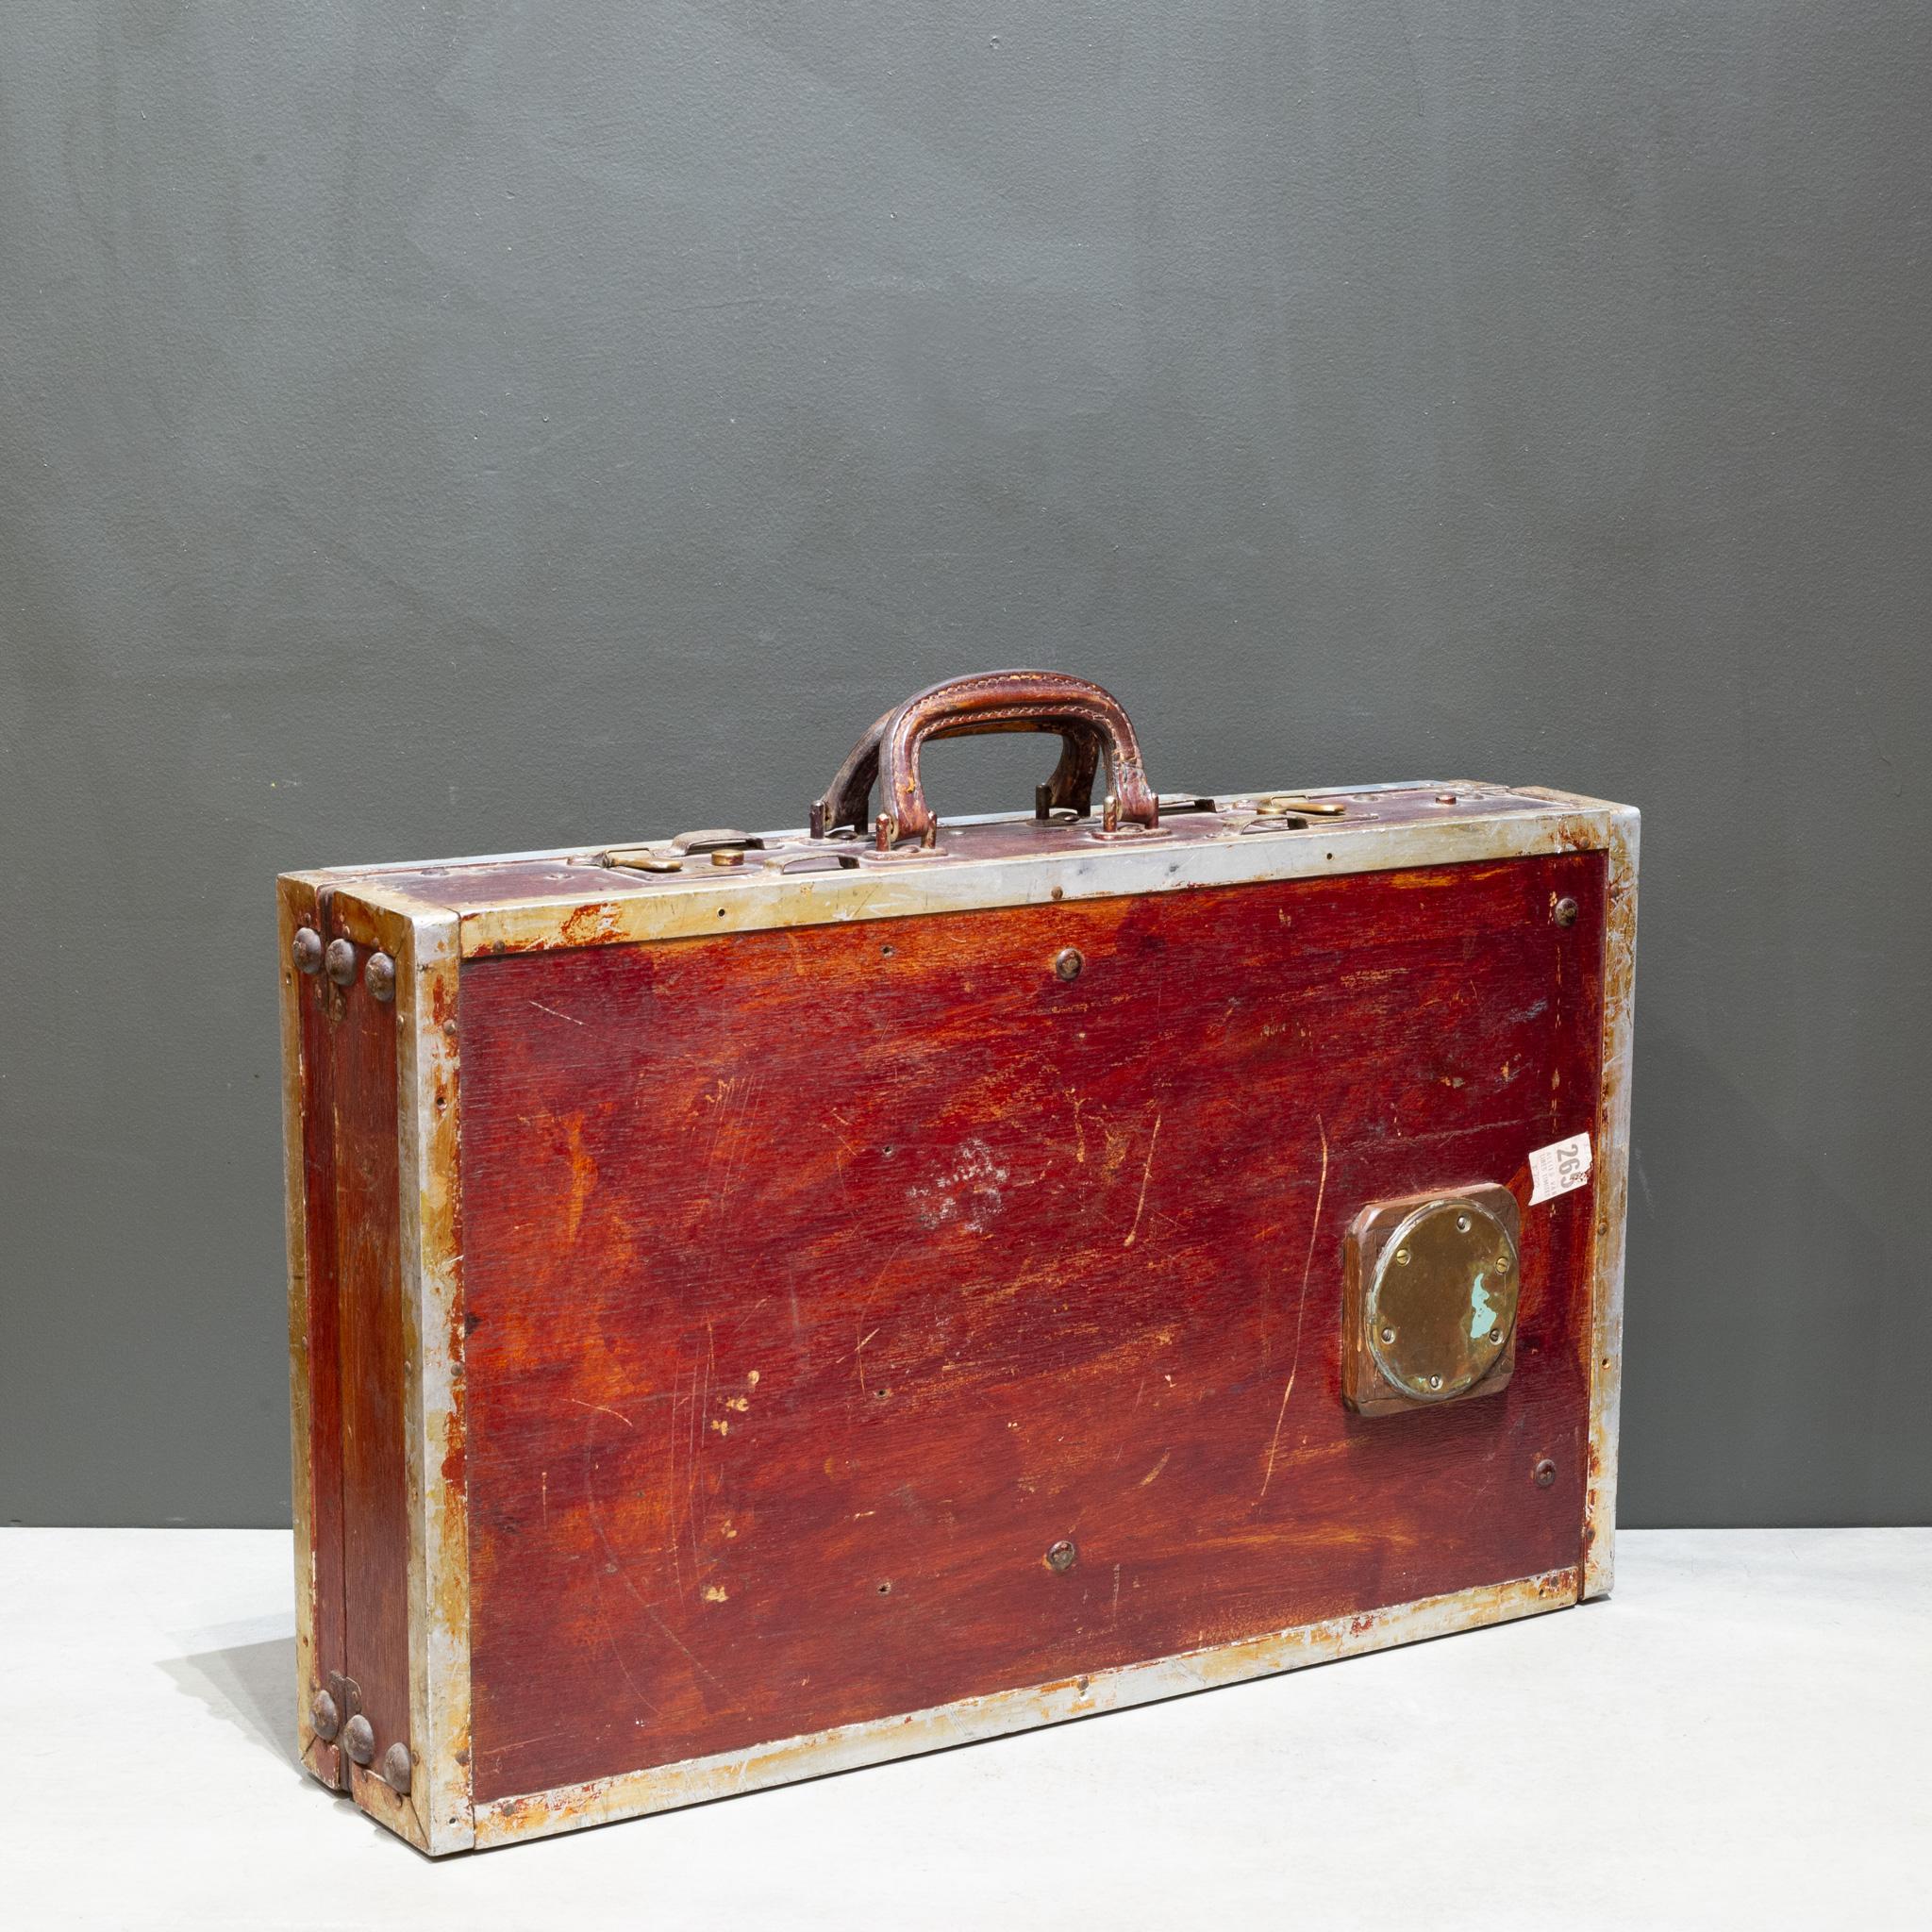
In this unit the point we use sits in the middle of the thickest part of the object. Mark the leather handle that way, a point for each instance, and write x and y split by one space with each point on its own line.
1090 723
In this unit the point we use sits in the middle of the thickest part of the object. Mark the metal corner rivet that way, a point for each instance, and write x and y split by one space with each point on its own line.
1062 1556
340 961
358 1740
1564 911
1545 1471
323 1717
1068 962
397 1769
306 949
379 976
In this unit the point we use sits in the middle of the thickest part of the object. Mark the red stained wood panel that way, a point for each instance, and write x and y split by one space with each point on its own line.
375 1482
325 1580
819 1281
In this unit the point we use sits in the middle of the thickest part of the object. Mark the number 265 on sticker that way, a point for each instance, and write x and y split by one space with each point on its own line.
1558 1168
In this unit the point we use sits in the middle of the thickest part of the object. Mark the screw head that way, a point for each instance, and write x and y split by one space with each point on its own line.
1495 1335
379 976
1068 962
358 1740
1434 1381
1463 1224
1062 1556
306 949
323 1716
341 960
396 1768
1388 1337
1545 1471
1564 911
1402 1256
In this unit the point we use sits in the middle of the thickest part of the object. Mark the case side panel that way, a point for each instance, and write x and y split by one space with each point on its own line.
1612 1203
314 1363
433 1336
375 1370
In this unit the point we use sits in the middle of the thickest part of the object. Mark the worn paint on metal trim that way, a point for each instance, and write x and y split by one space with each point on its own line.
764 899
397 1812
1612 1174
431 1250
631 1794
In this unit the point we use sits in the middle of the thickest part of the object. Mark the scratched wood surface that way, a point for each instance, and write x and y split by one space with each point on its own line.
819 1282
375 1500
322 1343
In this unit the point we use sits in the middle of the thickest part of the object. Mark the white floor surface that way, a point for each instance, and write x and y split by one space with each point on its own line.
1740 1736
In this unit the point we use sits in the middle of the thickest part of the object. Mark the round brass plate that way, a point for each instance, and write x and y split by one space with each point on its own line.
1442 1299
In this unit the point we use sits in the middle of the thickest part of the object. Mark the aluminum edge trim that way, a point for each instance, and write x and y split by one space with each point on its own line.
769 900
1612 1192
432 1324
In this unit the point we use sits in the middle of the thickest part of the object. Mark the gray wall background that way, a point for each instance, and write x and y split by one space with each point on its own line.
448 428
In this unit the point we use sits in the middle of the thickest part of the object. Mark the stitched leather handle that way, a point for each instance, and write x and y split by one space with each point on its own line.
1090 723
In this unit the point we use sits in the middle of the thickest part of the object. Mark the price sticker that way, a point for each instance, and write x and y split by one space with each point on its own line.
1558 1168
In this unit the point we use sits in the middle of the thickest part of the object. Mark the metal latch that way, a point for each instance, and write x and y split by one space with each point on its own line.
1276 804
724 846
718 839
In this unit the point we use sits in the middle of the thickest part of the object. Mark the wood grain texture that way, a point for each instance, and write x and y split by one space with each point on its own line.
322 1346
375 1501
818 1282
